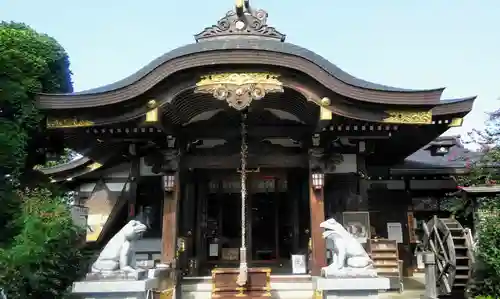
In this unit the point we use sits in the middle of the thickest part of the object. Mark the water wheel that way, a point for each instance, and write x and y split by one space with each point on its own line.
447 239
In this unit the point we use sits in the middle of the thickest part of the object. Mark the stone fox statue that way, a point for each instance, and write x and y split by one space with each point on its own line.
119 253
348 253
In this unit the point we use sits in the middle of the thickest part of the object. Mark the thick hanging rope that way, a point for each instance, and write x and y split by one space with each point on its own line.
243 274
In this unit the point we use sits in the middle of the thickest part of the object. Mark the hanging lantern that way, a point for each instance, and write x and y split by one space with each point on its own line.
169 182
318 179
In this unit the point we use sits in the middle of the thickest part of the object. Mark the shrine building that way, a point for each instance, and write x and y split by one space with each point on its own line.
172 143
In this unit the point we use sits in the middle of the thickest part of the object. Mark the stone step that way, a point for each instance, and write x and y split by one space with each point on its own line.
282 287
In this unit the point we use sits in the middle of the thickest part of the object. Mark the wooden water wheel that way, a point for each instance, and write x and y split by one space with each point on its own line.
447 239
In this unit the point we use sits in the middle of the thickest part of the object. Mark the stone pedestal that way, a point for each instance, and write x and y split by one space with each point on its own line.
351 288
114 289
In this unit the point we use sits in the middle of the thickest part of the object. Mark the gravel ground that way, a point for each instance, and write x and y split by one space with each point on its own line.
414 288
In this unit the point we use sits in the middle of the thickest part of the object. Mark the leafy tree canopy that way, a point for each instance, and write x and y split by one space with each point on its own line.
485 172
29 63
39 255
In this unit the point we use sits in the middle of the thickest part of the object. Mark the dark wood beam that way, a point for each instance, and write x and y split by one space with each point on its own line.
225 132
233 161
221 132
134 179
294 132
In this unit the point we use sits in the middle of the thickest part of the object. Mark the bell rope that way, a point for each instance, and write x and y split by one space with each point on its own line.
243 273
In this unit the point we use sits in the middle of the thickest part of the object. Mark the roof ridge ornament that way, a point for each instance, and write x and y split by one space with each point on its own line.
243 21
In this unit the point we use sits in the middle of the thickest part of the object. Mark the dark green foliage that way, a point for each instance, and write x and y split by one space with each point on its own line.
39 244
66 156
29 63
483 173
487 274
44 257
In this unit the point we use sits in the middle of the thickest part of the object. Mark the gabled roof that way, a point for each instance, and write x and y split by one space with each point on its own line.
457 159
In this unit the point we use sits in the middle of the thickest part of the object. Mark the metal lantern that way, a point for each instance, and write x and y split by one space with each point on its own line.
318 180
169 182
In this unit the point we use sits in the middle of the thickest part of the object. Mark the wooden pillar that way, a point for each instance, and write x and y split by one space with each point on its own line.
169 224
293 193
277 218
201 221
475 211
187 224
171 197
135 164
363 183
168 283
318 247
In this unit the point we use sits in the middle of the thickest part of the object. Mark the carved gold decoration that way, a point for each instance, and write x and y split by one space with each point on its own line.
408 117
68 123
456 122
239 89
94 166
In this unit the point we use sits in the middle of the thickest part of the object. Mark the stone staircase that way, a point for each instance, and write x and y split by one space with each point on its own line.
282 287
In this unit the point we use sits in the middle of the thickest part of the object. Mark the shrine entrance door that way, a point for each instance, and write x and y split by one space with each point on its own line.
269 226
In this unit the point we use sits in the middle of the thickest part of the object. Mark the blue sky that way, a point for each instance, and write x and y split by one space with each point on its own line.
412 44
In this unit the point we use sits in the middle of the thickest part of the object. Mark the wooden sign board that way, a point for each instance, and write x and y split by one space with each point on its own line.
230 254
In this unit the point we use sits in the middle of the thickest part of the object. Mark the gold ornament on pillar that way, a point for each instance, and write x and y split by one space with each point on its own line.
325 113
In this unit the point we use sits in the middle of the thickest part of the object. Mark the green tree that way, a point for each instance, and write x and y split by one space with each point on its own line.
487 267
39 244
485 172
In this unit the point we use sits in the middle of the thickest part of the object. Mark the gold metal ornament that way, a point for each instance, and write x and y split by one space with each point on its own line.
53 123
456 122
152 104
325 102
239 89
325 113
94 166
152 115
409 117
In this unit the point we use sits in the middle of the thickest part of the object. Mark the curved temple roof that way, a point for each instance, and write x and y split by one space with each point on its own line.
249 44
242 36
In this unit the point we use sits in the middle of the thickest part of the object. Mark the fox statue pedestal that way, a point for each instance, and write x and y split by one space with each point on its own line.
113 274
351 273
351 288
119 289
